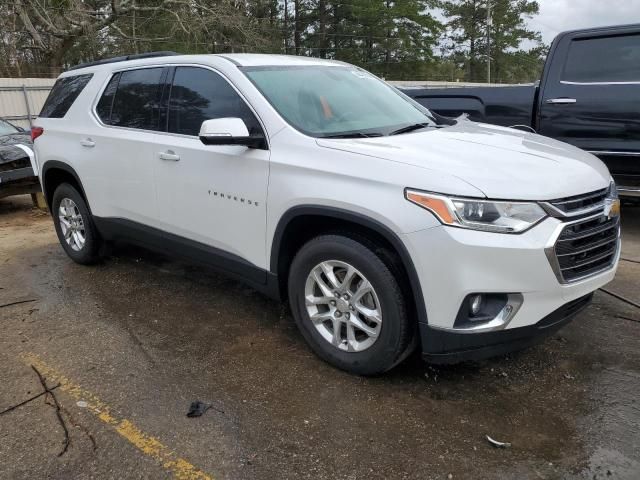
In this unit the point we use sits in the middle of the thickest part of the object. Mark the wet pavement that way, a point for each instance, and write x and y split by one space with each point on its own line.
135 339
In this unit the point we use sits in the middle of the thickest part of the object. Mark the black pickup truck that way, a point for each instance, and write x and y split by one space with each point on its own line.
589 96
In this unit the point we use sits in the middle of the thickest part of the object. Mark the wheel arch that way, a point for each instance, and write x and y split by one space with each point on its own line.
301 223
54 173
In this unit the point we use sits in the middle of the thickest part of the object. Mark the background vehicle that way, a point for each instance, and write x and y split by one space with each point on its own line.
589 96
16 173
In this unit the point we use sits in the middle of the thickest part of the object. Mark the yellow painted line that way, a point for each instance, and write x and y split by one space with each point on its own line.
150 446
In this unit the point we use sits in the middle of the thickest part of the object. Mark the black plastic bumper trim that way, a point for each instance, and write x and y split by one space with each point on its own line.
17 174
446 347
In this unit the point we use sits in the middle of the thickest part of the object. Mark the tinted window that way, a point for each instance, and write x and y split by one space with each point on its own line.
106 100
609 59
137 99
63 94
198 94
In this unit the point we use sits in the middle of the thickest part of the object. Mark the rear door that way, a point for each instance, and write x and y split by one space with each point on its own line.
122 149
591 98
214 197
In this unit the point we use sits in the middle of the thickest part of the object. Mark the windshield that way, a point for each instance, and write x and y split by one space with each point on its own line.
6 128
337 101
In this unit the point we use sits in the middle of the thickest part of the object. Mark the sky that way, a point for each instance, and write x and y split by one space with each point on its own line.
560 15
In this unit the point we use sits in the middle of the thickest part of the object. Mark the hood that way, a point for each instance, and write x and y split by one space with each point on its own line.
503 163
9 152
15 138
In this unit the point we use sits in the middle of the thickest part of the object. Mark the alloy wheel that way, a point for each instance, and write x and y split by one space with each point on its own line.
343 306
71 224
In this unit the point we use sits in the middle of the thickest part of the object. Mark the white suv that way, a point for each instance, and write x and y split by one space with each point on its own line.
384 225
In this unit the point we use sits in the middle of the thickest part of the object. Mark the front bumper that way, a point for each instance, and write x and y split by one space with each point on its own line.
445 347
453 263
18 181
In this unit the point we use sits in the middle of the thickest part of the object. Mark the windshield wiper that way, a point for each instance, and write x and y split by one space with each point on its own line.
411 128
353 135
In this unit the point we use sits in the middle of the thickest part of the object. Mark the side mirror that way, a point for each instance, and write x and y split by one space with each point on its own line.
229 131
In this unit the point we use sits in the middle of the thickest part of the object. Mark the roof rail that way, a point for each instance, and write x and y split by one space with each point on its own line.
123 58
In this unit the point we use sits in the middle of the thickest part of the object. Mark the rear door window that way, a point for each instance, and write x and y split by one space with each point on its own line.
603 60
136 102
63 94
199 94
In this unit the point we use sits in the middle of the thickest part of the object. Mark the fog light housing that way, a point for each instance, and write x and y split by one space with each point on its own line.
487 311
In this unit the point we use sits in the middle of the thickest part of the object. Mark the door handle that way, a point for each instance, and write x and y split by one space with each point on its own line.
561 101
87 142
169 155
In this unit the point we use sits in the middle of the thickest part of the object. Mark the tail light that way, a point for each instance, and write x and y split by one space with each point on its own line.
36 132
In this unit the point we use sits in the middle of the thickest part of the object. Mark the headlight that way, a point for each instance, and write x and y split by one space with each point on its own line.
612 202
487 215
613 190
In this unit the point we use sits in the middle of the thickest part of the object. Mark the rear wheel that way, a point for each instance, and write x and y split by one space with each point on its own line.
348 305
74 225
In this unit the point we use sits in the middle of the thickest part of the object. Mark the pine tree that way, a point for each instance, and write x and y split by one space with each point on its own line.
468 27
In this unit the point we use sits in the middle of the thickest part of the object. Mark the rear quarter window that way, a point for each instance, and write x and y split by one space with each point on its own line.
63 94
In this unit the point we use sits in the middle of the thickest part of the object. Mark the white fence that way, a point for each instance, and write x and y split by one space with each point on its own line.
21 99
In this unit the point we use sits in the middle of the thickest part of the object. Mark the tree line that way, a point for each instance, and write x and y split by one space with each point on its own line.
451 40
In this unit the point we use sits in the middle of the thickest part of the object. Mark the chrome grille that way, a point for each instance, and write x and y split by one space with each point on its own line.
585 247
578 204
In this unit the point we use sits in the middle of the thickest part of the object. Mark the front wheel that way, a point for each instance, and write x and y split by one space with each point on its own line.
348 305
74 225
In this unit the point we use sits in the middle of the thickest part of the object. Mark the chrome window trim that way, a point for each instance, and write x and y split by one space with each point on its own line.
629 191
614 152
170 134
567 82
550 252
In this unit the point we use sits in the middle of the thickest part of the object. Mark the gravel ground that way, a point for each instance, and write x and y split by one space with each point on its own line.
134 340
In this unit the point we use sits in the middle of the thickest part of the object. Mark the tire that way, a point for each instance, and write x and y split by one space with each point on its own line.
354 354
67 202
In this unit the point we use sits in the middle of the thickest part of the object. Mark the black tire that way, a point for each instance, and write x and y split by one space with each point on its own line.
396 331
90 251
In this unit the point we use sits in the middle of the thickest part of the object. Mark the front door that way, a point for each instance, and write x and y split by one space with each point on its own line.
212 197
591 99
